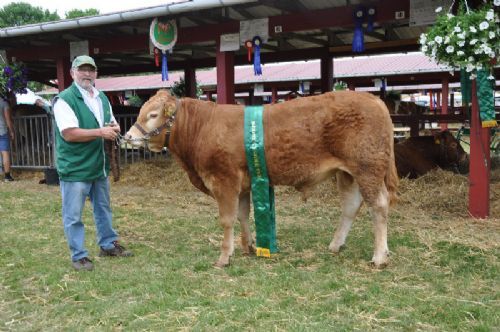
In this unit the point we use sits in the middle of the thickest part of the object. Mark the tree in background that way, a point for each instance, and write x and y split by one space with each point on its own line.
179 89
21 13
75 13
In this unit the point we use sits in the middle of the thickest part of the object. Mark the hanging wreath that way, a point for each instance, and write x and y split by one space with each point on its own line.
163 35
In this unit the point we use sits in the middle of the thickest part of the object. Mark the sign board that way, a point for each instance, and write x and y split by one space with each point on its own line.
252 28
78 48
3 57
423 12
230 42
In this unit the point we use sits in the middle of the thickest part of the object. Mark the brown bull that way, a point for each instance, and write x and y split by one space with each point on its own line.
307 140
416 156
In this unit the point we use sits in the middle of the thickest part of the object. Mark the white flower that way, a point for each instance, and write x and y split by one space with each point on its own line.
438 9
450 15
473 42
461 35
457 29
471 59
473 76
491 77
483 26
486 49
492 34
424 48
461 43
438 39
423 38
446 40
450 49
496 2
490 15
469 67
460 53
473 29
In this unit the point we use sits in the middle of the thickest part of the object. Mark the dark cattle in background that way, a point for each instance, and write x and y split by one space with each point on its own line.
416 156
405 107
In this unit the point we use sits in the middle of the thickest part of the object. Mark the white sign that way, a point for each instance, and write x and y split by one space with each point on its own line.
230 42
252 28
423 12
78 48
3 57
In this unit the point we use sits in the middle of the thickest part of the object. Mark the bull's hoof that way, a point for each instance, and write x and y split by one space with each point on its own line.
379 266
221 265
249 251
337 250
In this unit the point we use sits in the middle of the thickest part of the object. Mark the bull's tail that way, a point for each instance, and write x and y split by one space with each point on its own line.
391 179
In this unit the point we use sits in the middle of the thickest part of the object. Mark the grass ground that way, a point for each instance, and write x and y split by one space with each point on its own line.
443 275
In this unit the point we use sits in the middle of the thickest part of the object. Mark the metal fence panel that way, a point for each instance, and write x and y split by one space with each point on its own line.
34 143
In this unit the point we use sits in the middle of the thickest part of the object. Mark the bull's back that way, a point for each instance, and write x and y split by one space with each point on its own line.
337 129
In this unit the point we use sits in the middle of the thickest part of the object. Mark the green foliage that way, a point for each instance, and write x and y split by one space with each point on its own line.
21 13
179 89
75 13
13 79
339 86
135 101
470 39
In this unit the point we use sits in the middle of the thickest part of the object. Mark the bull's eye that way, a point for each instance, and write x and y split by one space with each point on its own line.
453 145
153 115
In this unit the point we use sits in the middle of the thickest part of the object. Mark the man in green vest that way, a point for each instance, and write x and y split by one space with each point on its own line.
84 119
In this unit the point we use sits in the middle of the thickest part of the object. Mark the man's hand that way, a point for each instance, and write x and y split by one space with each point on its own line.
12 135
110 132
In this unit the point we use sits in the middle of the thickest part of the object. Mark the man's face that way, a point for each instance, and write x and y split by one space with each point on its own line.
84 76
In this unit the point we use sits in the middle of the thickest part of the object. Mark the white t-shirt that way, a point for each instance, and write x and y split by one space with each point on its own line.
65 117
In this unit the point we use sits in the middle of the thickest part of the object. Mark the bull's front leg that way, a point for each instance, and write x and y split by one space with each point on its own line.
247 245
228 207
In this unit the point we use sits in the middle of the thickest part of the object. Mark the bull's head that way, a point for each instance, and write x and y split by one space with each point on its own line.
452 155
155 116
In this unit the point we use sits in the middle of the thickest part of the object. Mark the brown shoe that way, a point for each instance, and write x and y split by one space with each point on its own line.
117 251
83 264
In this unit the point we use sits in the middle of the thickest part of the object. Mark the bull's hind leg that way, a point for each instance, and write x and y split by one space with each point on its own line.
377 199
351 200
243 214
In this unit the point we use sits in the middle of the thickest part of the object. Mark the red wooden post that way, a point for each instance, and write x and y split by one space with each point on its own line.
444 100
225 76
63 76
479 170
274 97
190 81
326 73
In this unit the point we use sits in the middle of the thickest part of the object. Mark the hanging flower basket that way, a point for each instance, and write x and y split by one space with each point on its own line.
13 79
470 39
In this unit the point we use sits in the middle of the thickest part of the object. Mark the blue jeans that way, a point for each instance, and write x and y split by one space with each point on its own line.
73 200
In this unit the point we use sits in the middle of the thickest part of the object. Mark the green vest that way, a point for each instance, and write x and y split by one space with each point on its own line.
82 161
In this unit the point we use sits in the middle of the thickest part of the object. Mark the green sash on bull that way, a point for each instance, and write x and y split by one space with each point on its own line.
262 193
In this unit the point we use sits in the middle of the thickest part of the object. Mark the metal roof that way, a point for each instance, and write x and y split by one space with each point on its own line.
298 30
370 67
